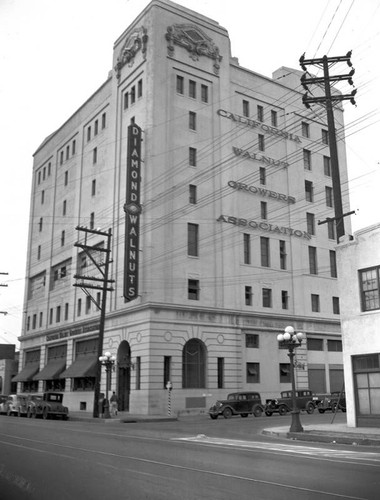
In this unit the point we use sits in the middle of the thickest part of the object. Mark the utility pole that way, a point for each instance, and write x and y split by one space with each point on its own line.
102 283
2 284
328 99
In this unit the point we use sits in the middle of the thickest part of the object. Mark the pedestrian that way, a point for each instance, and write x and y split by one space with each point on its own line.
113 402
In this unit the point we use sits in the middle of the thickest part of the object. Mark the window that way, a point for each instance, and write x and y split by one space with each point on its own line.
42 197
305 129
248 295
66 311
273 118
282 245
204 93
334 345
93 187
79 307
327 166
336 306
62 238
126 100
40 224
41 319
96 127
67 152
64 207
194 365
192 239
39 252
329 196
180 84
260 113
139 88
261 142
284 373
306 159
309 195
66 181
264 251
192 194
267 297
88 304
192 120
253 373
284 299
315 302
133 94
333 269
245 108
51 313
263 178
247 248
49 168
220 368
39 177
192 157
331 229
193 289
88 134
192 89
325 136
314 344
34 321
313 268
370 288
167 369
264 209
95 155
138 373
104 120
92 220
251 340
44 174
310 222
58 314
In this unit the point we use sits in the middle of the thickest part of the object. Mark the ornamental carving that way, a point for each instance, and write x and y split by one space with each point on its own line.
135 42
195 41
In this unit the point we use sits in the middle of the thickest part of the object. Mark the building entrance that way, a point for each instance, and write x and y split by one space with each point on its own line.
124 375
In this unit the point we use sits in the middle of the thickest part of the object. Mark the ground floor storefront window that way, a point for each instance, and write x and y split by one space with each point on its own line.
366 371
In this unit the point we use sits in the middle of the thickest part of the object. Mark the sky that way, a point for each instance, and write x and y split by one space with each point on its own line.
56 53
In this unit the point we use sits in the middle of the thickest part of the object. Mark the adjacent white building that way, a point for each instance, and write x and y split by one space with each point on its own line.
235 175
359 279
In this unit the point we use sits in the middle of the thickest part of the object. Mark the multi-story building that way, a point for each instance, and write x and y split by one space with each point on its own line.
235 175
358 260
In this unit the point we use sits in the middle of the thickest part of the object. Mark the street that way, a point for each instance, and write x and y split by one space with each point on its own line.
194 458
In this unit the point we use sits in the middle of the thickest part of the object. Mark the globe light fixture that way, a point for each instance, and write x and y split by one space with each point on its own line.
291 340
108 361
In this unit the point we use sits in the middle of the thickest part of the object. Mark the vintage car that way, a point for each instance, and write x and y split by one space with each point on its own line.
306 400
3 403
238 403
31 400
49 406
15 404
334 402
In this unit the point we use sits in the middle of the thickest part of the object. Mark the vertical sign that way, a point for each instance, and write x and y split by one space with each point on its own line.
132 209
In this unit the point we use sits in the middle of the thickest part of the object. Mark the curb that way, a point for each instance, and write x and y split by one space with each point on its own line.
309 436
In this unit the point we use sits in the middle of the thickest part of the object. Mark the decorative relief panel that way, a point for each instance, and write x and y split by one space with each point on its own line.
135 42
195 41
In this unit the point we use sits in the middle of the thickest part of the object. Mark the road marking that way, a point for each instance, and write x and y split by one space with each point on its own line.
312 451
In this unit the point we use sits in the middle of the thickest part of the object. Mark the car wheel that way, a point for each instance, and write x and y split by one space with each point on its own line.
244 415
321 410
45 414
282 410
334 407
257 411
213 417
227 413
268 413
310 408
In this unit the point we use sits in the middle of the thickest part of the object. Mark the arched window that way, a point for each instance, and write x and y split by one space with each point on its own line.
194 365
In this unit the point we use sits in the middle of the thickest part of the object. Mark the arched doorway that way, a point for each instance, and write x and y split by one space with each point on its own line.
194 365
124 375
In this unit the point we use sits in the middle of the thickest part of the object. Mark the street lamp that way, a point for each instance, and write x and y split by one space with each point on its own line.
292 340
108 361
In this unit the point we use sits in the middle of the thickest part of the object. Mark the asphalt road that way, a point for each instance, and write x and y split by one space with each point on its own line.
194 458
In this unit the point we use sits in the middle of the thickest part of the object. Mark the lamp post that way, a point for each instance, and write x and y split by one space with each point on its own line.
108 361
291 341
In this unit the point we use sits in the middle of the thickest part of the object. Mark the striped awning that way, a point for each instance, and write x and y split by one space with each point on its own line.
84 366
52 370
27 373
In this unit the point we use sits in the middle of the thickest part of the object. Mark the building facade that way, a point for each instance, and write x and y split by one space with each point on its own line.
215 244
359 278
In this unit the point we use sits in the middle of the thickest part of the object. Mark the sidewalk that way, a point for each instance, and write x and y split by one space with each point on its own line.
329 433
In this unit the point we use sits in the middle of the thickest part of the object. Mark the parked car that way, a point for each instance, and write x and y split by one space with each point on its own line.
3 403
306 400
238 403
48 406
15 404
334 402
31 400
